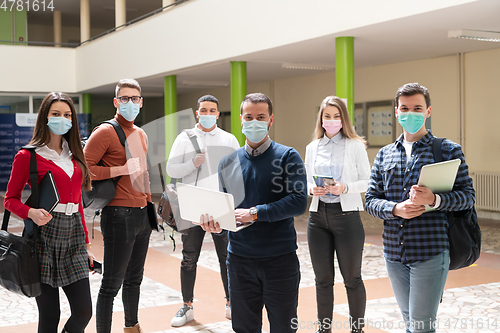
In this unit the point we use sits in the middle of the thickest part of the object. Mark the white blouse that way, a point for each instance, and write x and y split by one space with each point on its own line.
63 161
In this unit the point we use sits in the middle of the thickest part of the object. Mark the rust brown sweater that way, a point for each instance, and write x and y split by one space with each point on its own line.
104 145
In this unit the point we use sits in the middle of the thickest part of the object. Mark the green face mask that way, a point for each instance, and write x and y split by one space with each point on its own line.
411 121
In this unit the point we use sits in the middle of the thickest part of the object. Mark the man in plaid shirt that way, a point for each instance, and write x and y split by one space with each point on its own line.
416 247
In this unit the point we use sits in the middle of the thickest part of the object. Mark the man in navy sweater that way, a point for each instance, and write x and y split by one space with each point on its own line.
268 182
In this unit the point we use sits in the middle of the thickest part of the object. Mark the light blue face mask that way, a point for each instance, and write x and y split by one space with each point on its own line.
207 121
411 121
129 110
59 125
255 130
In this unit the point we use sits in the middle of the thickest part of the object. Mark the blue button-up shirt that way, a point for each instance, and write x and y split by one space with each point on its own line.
420 238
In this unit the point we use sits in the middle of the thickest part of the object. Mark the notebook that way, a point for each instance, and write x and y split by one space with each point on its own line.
195 201
48 196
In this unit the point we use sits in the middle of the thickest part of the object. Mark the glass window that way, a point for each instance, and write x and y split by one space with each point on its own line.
14 104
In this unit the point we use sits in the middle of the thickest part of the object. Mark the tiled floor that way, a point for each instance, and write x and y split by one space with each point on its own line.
471 302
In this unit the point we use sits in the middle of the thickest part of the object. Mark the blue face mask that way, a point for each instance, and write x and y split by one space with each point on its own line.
255 130
207 121
411 121
129 110
59 125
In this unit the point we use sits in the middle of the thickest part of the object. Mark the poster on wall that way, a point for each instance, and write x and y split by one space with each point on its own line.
380 125
15 131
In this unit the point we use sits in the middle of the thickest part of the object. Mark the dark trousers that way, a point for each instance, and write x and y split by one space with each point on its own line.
329 231
191 248
125 232
49 311
272 282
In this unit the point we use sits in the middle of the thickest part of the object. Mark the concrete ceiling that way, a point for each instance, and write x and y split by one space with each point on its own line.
414 37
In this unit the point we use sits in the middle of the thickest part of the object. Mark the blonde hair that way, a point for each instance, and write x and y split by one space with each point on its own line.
347 129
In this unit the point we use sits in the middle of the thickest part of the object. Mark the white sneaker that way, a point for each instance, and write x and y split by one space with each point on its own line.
228 312
184 315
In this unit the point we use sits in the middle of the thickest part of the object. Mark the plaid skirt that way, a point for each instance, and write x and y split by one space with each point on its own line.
62 251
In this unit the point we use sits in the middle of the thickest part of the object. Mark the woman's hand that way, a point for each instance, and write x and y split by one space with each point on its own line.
318 191
91 257
336 189
39 215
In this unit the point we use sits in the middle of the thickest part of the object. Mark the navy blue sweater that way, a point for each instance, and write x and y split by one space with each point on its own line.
273 182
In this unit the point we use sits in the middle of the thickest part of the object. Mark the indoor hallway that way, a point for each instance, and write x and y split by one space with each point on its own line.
471 302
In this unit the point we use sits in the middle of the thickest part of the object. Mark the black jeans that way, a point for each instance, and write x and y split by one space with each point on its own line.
272 282
191 248
125 232
49 310
331 230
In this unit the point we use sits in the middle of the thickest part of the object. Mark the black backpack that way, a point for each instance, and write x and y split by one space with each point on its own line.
464 233
103 191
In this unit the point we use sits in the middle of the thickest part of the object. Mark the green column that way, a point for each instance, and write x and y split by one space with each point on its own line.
86 103
344 71
170 96
238 92
5 26
20 26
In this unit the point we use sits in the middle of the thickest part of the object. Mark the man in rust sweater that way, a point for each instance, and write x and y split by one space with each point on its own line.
124 222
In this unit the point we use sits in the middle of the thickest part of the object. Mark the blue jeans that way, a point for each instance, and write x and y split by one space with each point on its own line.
272 282
418 288
125 232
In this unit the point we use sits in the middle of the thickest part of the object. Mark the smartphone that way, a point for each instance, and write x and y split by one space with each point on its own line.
329 181
97 267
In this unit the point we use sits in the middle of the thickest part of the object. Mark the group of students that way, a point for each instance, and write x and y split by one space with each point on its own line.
270 184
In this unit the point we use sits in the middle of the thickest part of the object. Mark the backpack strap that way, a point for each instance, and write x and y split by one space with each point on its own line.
118 129
436 149
121 136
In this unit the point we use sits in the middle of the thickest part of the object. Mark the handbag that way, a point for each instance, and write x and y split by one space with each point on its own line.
464 233
168 206
103 191
19 269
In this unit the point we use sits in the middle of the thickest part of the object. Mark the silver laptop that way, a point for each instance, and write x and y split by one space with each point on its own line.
195 201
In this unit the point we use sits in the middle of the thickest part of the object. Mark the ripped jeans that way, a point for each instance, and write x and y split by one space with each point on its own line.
191 248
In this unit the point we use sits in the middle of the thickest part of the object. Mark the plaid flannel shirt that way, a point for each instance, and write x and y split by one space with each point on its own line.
420 238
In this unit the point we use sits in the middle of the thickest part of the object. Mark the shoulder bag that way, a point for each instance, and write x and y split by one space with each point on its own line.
19 269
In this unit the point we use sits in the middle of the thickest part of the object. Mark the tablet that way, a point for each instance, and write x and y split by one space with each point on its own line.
439 177
195 201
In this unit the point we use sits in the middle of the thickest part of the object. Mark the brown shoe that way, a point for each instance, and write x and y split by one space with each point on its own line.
135 329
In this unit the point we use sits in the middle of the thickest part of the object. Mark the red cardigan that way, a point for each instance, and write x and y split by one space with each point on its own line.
69 188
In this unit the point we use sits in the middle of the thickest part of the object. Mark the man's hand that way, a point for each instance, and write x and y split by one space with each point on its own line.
408 209
336 189
207 223
243 215
39 215
318 191
199 159
133 165
420 195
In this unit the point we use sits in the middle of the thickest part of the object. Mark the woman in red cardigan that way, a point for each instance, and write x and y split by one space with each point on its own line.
63 246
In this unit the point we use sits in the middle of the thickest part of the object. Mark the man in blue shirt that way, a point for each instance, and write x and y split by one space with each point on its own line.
268 182
416 246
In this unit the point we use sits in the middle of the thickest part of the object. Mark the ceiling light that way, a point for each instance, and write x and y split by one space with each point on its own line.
205 83
294 65
486 36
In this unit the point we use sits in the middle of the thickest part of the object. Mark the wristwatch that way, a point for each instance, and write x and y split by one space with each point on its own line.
253 212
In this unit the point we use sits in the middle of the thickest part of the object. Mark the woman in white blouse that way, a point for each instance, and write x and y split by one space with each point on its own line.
338 171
